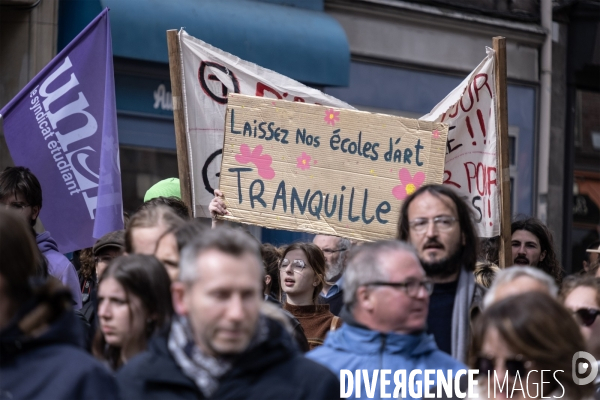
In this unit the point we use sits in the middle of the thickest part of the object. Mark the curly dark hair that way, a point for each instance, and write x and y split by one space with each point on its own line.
549 264
488 250
87 264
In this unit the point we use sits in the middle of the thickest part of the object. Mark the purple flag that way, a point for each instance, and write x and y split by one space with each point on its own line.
63 126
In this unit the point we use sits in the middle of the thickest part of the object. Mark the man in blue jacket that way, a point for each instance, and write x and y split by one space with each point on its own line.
386 303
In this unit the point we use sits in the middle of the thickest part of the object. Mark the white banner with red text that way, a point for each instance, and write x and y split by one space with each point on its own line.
471 161
209 74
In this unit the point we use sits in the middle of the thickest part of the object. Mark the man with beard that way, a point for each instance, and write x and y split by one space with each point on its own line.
532 245
439 224
335 249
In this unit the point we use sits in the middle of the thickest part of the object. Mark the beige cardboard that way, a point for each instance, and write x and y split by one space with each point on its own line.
279 165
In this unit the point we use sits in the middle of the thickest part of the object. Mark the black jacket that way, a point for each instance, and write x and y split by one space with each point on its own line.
89 310
52 365
298 335
272 370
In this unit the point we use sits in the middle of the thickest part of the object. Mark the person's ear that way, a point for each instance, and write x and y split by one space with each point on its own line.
317 279
364 297
267 279
344 256
179 297
35 211
542 255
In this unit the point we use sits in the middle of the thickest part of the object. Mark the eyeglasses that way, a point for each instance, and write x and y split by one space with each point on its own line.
16 206
587 316
411 287
441 223
515 365
329 251
297 265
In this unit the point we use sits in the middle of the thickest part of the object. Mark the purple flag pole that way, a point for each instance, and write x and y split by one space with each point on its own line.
63 126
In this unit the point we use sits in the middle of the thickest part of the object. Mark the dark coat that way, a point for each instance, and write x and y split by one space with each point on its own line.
272 370
336 302
298 333
89 310
51 366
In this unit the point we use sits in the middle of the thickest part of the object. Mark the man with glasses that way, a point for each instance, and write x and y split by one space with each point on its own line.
386 299
439 224
21 192
335 249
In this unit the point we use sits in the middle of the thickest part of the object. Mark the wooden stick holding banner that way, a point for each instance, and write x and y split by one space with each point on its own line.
183 164
505 253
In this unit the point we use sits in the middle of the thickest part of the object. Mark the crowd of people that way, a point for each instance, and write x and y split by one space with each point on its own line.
171 307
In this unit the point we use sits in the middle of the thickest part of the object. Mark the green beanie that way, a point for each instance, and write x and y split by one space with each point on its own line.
166 188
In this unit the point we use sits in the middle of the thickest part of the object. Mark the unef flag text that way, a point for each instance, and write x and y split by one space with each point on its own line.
63 127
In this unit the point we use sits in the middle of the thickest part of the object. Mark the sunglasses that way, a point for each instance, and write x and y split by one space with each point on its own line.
586 316
514 366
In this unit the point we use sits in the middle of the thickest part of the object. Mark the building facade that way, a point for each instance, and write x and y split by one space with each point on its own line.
396 57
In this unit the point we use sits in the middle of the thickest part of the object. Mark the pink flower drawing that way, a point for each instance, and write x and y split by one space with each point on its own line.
408 184
303 161
262 161
331 116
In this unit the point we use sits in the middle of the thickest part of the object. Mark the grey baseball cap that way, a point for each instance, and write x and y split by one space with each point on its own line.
115 239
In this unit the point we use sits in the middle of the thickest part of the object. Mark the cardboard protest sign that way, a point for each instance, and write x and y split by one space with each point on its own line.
327 170
209 75
471 160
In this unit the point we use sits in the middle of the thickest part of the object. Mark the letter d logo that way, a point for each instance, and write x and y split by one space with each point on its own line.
581 367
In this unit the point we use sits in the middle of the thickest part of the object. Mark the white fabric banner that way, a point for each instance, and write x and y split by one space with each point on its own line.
471 162
209 74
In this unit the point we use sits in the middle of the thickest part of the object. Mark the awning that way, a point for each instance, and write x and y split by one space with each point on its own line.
306 45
